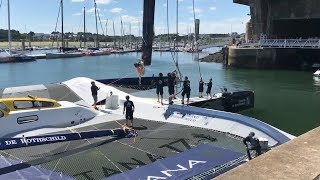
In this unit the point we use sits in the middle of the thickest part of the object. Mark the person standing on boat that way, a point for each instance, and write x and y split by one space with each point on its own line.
140 69
171 84
160 84
254 144
186 90
209 87
94 92
201 83
128 108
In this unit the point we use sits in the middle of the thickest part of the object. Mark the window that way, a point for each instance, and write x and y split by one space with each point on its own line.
27 119
1 114
46 104
4 107
22 104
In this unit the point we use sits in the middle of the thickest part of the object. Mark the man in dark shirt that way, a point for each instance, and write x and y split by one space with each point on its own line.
209 87
128 107
94 92
186 90
170 84
254 144
160 84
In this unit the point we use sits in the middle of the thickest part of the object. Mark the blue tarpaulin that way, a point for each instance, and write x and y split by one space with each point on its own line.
31 172
183 165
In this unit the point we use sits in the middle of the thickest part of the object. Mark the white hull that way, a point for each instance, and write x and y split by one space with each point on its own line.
149 109
67 115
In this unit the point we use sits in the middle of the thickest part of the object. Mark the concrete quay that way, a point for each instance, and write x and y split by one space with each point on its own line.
271 58
296 159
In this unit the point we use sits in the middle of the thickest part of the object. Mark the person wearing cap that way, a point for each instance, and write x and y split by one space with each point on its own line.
209 87
254 144
94 92
128 108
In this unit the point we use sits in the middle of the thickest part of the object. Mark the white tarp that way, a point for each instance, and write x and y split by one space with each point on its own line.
24 91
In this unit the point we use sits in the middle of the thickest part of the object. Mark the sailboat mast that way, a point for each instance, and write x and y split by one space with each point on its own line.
62 33
121 32
168 37
95 12
177 26
114 35
107 27
9 30
84 26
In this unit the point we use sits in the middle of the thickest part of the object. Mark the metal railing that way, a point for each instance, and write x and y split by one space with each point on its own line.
290 43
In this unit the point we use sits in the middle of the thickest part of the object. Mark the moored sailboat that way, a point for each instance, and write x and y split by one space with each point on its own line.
11 58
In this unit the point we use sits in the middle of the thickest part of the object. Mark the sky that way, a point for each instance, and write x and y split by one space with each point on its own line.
40 16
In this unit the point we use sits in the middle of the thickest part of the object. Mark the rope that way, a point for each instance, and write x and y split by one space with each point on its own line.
194 20
102 29
59 160
55 29
73 130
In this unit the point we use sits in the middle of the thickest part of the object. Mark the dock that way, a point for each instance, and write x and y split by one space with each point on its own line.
296 159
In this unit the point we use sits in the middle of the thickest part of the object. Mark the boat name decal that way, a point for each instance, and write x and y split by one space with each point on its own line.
168 172
36 140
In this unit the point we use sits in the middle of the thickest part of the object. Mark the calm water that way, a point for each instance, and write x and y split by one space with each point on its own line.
285 99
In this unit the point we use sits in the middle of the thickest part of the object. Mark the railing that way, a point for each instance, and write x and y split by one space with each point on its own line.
290 43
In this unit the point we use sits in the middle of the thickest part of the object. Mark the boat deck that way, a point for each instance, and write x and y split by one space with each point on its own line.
103 157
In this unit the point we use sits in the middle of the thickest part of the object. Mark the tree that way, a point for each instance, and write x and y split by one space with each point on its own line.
31 34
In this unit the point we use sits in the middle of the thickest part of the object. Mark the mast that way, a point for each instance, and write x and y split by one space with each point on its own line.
95 12
106 32
168 39
62 34
9 30
148 30
107 27
177 26
121 32
114 35
84 27
130 39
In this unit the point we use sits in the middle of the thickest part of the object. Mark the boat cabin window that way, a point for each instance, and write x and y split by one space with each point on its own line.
43 104
22 104
1 114
4 107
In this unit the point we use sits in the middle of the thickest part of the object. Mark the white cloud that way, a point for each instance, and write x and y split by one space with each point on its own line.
116 10
131 19
76 14
91 10
77 0
104 1
196 10
213 8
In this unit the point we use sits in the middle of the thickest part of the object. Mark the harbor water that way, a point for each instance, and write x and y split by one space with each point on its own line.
288 100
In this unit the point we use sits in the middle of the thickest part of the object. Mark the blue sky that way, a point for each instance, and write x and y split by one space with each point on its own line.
216 16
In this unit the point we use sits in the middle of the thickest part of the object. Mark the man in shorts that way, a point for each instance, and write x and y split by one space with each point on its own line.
94 92
128 108
186 90
160 84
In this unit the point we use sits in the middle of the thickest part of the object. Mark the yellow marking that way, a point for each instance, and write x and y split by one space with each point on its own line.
9 102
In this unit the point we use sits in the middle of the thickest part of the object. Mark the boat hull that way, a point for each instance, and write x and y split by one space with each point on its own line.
62 55
68 114
16 59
